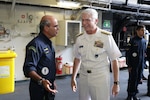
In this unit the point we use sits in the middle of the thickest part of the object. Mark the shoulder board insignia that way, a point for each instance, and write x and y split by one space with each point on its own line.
106 32
79 34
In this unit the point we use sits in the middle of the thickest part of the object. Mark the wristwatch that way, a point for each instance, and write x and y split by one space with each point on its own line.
40 81
116 82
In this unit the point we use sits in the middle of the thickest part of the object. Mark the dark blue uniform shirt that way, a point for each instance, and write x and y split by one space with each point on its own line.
136 52
40 57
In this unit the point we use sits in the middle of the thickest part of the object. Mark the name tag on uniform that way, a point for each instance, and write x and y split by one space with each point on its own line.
81 46
46 50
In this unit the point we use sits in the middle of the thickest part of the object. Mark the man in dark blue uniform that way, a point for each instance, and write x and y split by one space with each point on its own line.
136 62
40 63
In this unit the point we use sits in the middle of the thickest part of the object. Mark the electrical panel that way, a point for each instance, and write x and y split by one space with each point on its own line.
68 31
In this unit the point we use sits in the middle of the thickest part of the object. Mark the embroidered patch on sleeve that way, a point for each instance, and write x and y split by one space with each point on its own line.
32 48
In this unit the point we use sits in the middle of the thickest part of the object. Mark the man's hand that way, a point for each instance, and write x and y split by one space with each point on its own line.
47 85
115 90
74 85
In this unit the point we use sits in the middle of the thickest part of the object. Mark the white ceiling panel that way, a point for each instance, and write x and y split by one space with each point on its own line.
38 2
34 2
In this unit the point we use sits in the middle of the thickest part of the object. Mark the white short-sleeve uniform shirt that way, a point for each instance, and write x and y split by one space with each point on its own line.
93 55
94 51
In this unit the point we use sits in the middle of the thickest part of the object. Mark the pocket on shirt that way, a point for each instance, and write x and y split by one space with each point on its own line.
97 52
82 51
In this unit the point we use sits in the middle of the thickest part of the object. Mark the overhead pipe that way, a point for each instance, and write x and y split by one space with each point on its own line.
12 7
131 13
145 22
137 7
134 6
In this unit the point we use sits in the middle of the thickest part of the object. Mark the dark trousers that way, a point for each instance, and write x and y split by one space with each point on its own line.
133 81
38 92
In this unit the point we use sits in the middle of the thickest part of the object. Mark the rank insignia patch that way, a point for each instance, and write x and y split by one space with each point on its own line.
98 44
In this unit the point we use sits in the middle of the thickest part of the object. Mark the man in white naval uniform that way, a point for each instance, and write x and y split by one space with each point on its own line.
93 50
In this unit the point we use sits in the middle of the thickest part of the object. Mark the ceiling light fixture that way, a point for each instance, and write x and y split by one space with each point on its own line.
67 4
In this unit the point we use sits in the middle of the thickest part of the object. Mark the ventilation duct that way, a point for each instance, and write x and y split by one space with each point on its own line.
97 4
96 1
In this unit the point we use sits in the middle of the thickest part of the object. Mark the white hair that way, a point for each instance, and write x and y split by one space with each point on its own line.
92 12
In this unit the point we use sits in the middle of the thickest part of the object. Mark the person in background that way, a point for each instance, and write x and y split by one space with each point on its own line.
136 62
146 36
40 63
148 59
92 50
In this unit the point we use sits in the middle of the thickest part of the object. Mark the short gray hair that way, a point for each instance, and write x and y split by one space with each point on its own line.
91 11
44 23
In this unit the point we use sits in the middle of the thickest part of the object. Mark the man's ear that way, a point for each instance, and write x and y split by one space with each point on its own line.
96 21
46 28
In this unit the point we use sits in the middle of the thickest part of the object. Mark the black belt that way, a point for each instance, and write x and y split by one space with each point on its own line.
37 82
89 71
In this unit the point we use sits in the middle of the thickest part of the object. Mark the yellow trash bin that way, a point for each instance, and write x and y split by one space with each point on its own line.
7 83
